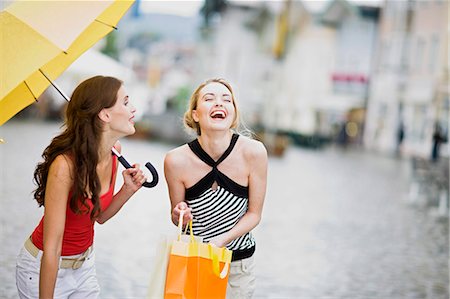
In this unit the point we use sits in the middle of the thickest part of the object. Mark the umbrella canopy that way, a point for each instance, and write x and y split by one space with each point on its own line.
45 37
94 63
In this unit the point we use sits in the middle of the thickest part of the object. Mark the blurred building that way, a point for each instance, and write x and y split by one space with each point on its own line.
236 46
409 91
302 72
298 71
356 30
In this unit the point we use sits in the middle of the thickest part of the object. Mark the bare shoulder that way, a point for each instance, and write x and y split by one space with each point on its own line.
62 166
177 158
253 149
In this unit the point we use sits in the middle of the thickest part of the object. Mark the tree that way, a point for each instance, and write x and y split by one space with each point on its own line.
110 47
210 8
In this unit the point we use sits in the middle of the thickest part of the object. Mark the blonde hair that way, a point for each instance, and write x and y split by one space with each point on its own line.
189 121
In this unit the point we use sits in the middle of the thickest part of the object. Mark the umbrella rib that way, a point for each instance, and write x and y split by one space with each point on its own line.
35 99
55 86
106 24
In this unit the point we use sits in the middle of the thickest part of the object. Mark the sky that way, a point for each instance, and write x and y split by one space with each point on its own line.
185 8
190 8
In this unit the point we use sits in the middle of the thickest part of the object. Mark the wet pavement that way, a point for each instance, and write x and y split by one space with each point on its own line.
336 224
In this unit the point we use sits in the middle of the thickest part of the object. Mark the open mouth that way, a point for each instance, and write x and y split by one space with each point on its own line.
218 114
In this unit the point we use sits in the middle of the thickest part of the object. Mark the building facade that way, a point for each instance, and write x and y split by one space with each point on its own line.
409 90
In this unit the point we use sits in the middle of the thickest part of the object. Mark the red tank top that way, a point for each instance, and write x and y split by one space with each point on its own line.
79 229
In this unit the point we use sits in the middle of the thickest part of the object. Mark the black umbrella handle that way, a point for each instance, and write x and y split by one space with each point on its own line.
149 166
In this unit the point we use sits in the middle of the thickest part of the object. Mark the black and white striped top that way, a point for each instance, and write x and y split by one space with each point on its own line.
217 211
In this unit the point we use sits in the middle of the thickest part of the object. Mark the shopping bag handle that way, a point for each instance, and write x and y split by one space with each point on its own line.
213 252
180 227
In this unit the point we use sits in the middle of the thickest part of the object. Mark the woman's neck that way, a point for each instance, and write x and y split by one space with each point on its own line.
215 143
104 150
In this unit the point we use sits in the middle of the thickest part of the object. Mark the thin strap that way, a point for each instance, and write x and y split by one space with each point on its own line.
197 149
114 168
234 139
200 152
114 171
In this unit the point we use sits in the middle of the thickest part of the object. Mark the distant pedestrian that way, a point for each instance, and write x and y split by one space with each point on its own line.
400 137
75 184
438 139
342 137
219 179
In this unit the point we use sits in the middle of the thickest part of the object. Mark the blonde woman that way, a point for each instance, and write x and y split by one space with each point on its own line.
219 180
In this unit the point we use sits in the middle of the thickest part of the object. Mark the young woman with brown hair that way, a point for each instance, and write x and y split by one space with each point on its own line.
75 184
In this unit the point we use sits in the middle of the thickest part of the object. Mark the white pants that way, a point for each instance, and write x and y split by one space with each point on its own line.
80 283
241 280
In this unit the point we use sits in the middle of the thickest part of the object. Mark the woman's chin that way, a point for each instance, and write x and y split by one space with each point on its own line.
131 130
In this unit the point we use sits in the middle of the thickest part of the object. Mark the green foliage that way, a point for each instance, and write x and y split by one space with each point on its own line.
180 100
110 47
210 8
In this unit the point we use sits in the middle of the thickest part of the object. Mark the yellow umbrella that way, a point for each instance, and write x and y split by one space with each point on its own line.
40 39
45 37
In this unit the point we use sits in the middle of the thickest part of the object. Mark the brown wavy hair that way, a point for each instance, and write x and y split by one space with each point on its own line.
80 141
189 121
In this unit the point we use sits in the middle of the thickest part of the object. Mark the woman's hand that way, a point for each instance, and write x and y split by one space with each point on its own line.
133 178
187 212
219 241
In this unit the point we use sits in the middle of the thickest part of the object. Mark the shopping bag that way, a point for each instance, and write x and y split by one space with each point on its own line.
196 270
159 267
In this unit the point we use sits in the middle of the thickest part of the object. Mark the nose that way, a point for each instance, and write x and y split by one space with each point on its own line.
132 108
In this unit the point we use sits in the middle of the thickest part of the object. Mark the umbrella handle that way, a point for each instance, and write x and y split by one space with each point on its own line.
149 166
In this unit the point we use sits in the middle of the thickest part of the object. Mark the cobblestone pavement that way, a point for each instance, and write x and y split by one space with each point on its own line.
336 224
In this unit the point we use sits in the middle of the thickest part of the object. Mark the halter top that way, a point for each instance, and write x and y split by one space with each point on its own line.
216 211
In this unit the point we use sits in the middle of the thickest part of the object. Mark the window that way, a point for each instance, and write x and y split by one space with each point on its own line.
385 54
420 48
434 53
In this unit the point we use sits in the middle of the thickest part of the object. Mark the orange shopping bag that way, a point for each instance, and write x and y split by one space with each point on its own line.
196 270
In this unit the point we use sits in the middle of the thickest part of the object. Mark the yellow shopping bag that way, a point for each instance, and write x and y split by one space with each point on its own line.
159 268
196 270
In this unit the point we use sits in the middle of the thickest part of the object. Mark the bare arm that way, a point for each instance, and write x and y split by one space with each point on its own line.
173 169
57 191
257 191
133 178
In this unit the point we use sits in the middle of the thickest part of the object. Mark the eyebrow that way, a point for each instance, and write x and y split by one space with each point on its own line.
212 94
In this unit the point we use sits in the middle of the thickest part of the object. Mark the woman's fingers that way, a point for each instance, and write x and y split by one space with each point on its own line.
182 206
135 175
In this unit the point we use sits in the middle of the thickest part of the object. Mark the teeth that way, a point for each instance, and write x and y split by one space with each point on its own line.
218 114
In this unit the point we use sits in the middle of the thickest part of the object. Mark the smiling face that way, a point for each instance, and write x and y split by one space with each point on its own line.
215 108
120 116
